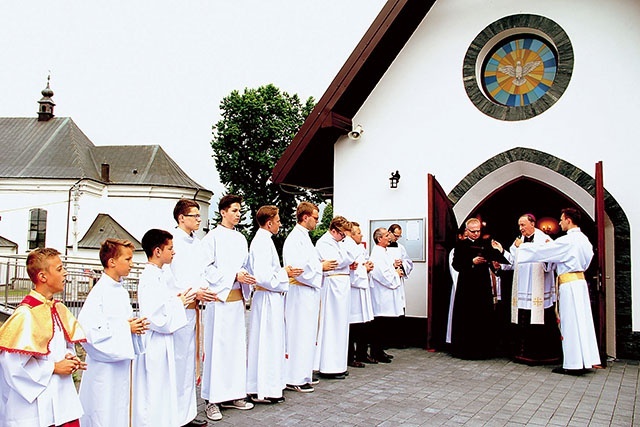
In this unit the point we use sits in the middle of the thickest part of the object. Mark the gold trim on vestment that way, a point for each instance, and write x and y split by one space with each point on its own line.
30 329
570 277
193 305
293 281
234 295
337 274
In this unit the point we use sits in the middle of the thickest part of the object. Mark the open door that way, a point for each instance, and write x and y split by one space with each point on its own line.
601 275
441 233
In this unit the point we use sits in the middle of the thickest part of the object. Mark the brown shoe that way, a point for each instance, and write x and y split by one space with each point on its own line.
356 364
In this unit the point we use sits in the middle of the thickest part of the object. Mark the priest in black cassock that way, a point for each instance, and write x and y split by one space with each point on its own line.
473 331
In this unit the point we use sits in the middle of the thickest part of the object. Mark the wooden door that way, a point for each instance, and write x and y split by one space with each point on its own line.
441 233
601 275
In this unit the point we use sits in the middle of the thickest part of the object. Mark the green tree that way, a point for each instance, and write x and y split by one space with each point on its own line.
256 127
323 226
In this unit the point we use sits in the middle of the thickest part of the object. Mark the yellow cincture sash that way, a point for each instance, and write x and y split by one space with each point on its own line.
30 328
234 295
570 277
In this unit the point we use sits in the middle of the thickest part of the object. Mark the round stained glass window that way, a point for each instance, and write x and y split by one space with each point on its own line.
518 67
520 71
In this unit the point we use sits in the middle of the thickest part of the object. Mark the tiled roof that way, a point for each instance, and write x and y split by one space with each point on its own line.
57 148
104 227
6 243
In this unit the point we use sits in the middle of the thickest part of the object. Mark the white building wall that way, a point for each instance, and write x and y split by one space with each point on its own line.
134 209
420 120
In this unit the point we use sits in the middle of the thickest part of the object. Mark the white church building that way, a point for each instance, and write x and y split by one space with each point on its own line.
58 189
491 109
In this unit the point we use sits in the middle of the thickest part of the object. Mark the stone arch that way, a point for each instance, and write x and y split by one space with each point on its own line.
577 185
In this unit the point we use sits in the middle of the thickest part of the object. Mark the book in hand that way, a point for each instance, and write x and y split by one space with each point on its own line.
485 250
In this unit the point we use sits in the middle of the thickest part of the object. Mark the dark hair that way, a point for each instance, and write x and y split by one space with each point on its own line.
183 207
111 248
265 214
226 201
574 214
153 239
394 227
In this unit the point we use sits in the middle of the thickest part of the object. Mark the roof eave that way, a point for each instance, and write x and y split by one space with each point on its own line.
346 94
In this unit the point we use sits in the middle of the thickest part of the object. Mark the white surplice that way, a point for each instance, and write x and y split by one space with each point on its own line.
571 253
155 377
224 375
104 389
454 278
526 274
386 293
400 252
265 358
333 333
31 394
188 271
302 305
361 309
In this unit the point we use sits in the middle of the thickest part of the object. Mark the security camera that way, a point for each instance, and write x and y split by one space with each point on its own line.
356 133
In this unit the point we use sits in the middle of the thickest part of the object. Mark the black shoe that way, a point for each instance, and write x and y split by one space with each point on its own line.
382 358
573 372
390 356
368 359
268 400
339 376
356 364
196 423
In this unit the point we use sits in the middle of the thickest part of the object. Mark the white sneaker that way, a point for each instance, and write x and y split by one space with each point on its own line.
237 404
213 412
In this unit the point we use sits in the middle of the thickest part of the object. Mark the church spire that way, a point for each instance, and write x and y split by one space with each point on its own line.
45 112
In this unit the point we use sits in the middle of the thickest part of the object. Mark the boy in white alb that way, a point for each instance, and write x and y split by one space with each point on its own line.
155 385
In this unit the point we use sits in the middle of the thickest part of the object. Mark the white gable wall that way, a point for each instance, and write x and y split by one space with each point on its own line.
420 120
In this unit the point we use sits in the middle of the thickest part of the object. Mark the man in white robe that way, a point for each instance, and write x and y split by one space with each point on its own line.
224 377
302 302
107 319
333 334
404 265
572 254
37 363
361 312
386 295
156 399
536 334
265 361
188 271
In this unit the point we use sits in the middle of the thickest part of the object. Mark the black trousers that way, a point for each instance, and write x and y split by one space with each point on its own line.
358 341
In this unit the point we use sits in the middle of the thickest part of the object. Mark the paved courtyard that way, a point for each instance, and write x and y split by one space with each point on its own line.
434 389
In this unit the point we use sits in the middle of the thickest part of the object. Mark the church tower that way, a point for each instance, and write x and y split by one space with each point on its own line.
45 112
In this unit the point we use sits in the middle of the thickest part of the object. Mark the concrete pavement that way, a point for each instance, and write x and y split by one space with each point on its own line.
434 389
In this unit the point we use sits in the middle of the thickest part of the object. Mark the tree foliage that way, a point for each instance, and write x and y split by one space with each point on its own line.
255 129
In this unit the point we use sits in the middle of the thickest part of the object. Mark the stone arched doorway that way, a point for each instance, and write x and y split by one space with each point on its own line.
525 180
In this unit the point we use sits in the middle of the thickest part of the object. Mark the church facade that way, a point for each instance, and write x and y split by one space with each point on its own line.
490 111
58 189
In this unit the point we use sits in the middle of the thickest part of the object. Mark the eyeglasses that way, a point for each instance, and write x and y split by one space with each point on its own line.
197 216
473 231
315 217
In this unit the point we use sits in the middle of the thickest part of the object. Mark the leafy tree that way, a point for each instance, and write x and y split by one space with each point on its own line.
256 127
323 226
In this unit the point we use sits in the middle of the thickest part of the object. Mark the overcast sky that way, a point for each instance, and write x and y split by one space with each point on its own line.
154 71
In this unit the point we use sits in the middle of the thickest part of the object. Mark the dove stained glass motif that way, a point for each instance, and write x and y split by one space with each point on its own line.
519 71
